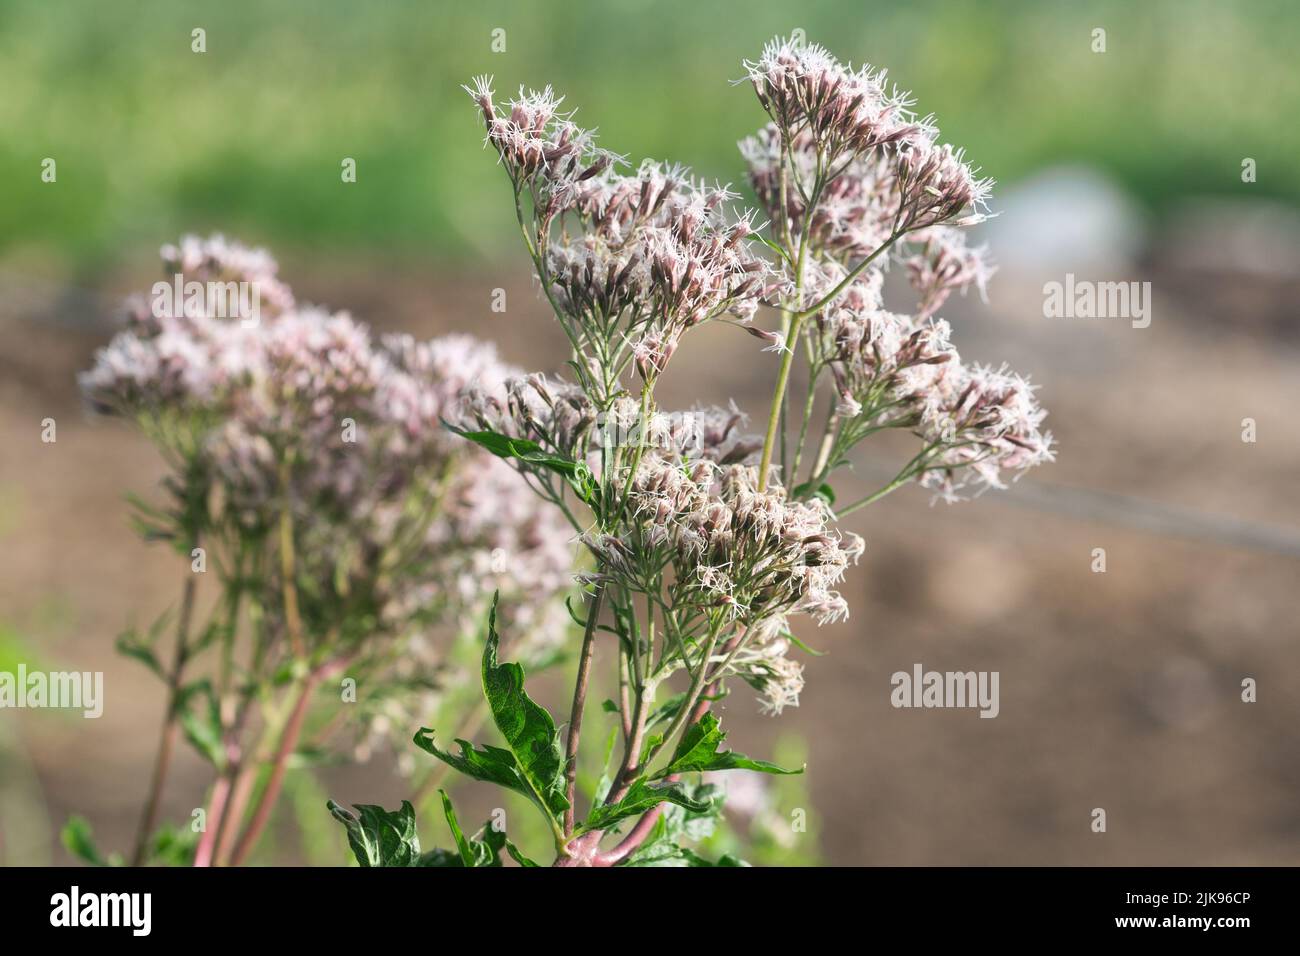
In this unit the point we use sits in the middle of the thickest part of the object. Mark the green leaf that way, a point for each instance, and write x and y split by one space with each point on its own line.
669 709
692 824
380 837
150 522
174 846
138 647
490 764
533 765
694 859
639 798
202 724
517 856
440 858
606 779
698 750
484 849
801 645
780 251
79 839
652 744
531 453
809 490
527 727
664 847
139 652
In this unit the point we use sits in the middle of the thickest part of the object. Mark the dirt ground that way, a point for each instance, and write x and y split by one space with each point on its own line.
1119 690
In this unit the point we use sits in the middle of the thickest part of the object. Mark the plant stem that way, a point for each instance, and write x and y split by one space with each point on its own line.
206 852
240 772
288 575
828 442
775 416
638 834
171 725
579 702
809 402
643 429
624 700
790 325
848 279
635 837
242 777
692 696
631 751
288 743
898 482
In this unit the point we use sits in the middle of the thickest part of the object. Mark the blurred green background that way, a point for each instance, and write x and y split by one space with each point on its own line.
152 139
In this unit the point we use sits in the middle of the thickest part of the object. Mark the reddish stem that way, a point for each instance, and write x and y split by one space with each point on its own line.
579 703
206 852
638 834
288 744
171 726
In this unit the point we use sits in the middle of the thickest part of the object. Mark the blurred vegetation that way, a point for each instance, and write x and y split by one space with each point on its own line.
152 139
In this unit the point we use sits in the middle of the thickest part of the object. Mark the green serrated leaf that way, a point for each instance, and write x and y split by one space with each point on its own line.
698 751
533 764
640 797
531 453
380 837
484 849
664 846
489 764
528 728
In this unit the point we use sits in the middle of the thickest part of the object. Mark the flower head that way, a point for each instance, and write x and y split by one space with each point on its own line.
984 422
940 261
843 110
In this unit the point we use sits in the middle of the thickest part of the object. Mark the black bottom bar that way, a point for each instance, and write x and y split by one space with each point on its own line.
339 905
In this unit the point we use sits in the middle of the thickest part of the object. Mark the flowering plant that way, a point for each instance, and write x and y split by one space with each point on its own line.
308 468
706 543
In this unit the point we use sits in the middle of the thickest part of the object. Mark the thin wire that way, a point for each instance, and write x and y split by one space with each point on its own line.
1130 511
1154 517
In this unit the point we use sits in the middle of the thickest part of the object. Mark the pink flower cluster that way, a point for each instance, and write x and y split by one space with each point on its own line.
981 422
902 371
845 167
844 111
842 143
309 412
756 554
638 259
939 262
